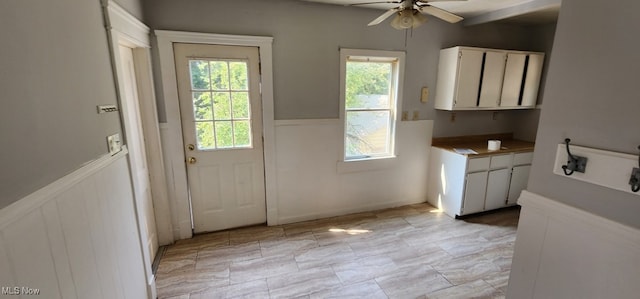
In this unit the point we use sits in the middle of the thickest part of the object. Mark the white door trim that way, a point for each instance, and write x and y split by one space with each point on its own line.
124 29
127 30
175 154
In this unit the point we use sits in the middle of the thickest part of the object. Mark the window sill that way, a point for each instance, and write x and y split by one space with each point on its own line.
368 164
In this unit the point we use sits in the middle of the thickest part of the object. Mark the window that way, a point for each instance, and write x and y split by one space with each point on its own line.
370 96
220 94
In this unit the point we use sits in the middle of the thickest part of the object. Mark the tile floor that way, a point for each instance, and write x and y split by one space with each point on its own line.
405 252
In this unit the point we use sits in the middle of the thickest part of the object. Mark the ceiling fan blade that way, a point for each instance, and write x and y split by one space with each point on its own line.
383 17
441 14
423 2
377 2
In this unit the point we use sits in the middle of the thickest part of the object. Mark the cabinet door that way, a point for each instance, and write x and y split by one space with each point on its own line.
492 76
532 80
519 179
512 83
497 187
474 192
468 83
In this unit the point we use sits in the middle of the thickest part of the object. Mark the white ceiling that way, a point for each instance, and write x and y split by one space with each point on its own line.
483 11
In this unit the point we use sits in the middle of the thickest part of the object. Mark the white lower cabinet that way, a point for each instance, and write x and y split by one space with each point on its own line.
475 187
497 188
461 185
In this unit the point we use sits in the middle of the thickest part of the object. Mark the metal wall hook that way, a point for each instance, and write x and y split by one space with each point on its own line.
634 181
575 163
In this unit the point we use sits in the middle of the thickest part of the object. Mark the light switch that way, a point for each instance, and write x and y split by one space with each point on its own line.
424 96
113 141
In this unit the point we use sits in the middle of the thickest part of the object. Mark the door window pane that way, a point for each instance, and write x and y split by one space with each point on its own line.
202 106
219 75
241 133
224 134
240 105
221 103
239 75
199 74
205 135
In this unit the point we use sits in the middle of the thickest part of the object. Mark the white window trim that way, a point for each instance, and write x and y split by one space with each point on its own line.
377 160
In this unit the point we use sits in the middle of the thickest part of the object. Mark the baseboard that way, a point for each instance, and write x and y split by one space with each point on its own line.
346 211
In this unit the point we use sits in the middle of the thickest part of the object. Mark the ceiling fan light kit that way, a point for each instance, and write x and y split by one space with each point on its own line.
410 13
408 18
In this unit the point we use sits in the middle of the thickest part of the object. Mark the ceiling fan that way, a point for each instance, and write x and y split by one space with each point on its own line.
409 13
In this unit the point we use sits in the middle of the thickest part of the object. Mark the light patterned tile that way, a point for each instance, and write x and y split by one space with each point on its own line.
406 252
261 268
213 257
475 289
250 289
412 281
302 283
175 284
324 256
178 262
255 233
366 289
466 269
363 269
289 245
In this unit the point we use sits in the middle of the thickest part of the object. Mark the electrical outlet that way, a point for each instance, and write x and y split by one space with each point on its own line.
113 141
495 115
424 95
405 115
453 117
416 115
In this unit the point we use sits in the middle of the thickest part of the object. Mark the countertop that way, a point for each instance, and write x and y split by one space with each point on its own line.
478 143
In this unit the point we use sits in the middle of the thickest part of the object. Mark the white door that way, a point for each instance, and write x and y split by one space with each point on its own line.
137 154
221 111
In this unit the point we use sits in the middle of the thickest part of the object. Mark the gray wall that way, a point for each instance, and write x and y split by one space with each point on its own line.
307 37
592 97
55 69
134 7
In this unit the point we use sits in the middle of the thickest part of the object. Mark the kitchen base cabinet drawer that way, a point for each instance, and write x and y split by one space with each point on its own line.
478 164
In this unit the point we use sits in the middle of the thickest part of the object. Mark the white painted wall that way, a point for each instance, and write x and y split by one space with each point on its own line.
564 252
77 237
312 183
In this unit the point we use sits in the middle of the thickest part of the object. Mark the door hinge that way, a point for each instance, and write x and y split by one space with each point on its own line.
260 68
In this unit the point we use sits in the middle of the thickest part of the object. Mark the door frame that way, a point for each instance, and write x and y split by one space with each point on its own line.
173 145
126 30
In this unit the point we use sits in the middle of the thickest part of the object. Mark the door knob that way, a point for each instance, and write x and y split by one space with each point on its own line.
191 147
192 160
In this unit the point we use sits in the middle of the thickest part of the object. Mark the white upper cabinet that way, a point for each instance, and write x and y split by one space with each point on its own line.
487 79
512 83
492 76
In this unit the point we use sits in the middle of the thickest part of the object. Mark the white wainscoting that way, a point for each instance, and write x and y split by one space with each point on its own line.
312 183
564 252
77 237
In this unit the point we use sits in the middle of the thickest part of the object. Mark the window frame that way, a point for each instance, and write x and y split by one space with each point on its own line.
398 63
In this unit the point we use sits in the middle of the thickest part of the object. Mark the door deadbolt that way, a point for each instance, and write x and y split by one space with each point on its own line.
191 147
192 160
